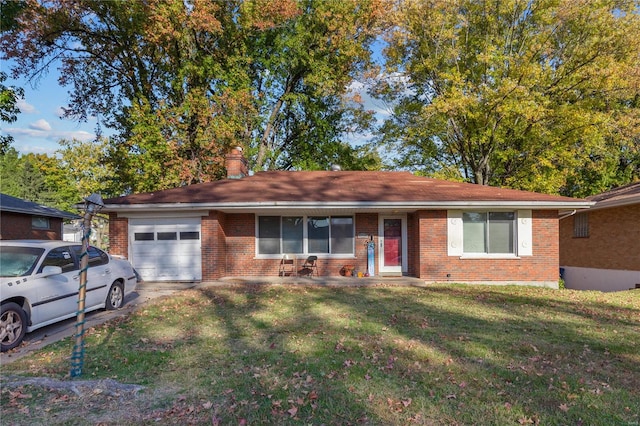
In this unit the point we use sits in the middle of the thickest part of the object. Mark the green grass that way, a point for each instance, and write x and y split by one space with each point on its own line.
442 354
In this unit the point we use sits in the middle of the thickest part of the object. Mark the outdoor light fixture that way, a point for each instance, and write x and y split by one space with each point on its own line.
93 203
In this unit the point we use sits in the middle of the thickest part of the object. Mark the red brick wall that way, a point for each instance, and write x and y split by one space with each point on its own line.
436 265
17 226
118 235
228 249
213 247
236 248
613 242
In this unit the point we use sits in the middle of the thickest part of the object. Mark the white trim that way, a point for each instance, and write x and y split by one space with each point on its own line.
403 268
162 214
305 236
524 231
503 256
455 240
359 206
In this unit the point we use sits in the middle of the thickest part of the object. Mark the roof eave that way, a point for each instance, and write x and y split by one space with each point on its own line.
353 205
606 204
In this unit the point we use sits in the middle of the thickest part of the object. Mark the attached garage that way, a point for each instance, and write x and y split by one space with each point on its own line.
166 249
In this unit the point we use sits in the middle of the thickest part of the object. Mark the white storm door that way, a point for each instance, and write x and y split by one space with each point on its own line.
392 250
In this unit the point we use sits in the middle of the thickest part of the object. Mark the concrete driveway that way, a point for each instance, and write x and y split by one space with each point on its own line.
145 291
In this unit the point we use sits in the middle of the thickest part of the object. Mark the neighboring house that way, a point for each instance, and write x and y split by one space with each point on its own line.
20 219
600 248
432 229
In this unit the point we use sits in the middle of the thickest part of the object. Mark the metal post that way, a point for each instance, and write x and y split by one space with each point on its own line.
92 206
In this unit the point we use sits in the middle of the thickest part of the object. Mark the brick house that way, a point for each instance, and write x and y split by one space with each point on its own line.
600 248
427 228
20 219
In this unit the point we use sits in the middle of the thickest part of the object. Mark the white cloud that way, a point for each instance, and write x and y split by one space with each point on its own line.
22 134
40 125
25 107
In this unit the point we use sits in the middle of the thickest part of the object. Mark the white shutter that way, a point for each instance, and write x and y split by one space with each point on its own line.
525 233
454 232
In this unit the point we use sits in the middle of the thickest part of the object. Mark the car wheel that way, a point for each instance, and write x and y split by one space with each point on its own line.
115 297
13 325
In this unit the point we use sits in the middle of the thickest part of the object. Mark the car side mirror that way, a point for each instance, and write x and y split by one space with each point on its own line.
50 270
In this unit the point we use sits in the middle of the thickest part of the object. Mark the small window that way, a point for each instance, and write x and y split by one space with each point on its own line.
489 232
190 235
143 236
167 236
38 222
61 257
96 256
269 234
581 225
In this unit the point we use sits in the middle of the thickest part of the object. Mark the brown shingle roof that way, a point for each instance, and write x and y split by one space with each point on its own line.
333 186
623 195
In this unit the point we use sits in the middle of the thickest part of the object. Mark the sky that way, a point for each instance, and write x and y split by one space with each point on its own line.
39 126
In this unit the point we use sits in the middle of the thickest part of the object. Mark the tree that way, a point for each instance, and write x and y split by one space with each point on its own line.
530 95
83 165
300 78
183 81
22 177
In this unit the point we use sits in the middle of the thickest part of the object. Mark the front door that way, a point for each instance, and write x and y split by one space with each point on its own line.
393 245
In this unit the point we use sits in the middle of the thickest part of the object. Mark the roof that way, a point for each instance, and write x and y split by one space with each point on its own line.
18 205
359 190
617 197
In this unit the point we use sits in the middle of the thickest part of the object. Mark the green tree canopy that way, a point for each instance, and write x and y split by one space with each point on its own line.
538 95
182 81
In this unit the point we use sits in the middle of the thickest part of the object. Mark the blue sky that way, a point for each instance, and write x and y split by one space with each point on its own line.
40 126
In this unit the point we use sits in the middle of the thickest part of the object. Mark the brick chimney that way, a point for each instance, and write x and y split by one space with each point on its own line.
236 164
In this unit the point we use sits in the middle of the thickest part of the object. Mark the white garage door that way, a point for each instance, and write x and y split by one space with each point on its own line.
166 249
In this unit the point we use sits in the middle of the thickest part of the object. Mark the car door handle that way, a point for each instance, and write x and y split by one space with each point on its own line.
107 271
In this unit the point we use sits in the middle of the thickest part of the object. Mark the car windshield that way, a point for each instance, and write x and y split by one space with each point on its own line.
18 261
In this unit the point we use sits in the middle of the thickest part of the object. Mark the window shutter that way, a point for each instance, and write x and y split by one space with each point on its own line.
525 233
454 232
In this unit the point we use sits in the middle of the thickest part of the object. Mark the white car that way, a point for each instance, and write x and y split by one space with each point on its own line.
40 282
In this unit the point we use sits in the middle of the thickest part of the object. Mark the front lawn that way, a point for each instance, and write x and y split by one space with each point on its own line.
435 355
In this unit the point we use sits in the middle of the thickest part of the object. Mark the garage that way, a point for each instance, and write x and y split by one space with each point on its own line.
166 249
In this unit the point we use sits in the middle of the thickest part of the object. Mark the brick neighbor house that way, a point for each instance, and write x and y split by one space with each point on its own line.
600 248
427 228
21 219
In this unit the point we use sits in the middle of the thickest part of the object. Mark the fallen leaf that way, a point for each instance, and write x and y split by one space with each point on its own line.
207 405
292 411
564 407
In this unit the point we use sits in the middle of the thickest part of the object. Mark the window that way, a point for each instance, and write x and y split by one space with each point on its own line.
189 235
38 222
143 236
61 257
488 232
96 256
305 235
292 235
167 236
581 225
